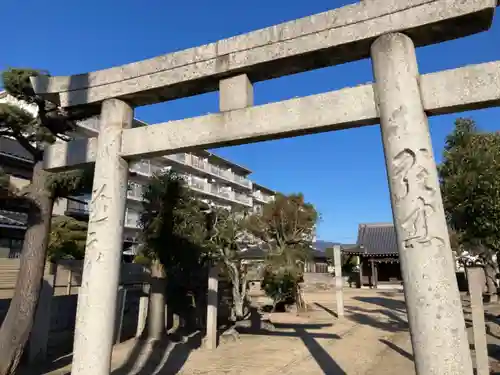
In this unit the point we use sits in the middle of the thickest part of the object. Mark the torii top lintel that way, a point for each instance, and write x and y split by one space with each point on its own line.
333 37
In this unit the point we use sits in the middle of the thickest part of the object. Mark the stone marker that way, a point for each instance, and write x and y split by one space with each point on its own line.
212 304
476 281
339 282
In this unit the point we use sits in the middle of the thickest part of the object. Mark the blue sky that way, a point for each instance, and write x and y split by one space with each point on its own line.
342 173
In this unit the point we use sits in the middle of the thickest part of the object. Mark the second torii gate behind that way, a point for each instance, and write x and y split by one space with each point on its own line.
401 103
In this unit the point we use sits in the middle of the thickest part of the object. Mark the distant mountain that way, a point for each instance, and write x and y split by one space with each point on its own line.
323 245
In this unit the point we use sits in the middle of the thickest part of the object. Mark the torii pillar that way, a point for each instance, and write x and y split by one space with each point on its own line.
435 315
98 293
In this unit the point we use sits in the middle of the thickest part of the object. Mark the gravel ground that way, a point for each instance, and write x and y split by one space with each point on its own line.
372 339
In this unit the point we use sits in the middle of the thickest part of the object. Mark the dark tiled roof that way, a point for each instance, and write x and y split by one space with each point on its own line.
16 219
11 147
352 249
378 239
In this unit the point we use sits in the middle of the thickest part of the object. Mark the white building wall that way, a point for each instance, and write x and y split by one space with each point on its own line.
218 185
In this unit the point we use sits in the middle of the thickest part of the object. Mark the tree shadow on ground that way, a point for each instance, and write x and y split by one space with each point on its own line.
166 356
493 351
385 302
394 323
397 349
41 368
320 355
329 311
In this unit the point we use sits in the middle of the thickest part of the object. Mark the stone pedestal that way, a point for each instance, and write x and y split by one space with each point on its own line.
97 298
437 326
475 277
212 304
339 282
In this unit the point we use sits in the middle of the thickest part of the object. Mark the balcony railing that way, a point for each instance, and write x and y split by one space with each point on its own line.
219 191
243 198
132 219
77 207
199 184
242 180
181 158
196 162
261 197
135 190
142 167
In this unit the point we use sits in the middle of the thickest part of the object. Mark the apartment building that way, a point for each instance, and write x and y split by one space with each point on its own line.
213 179
261 195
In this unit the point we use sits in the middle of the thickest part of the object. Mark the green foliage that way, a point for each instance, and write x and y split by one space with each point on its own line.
67 239
5 186
50 116
227 233
225 230
17 83
174 233
17 123
287 226
281 285
171 218
34 133
75 182
141 259
470 184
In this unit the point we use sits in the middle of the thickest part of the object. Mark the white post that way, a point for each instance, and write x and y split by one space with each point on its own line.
339 284
436 320
212 304
70 279
476 282
143 311
97 297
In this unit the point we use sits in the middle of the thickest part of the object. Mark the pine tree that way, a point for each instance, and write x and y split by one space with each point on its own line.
33 133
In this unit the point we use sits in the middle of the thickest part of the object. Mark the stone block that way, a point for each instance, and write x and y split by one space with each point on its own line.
235 93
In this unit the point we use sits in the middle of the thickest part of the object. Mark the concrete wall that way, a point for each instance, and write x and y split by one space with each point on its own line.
62 320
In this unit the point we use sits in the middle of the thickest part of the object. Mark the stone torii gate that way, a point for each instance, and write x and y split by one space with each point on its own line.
399 99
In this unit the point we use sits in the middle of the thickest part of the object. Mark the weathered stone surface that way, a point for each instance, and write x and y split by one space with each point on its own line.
470 87
339 283
475 277
212 303
324 39
462 89
235 93
430 286
97 298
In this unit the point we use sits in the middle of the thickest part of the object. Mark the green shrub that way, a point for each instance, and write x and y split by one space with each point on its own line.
141 259
281 286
